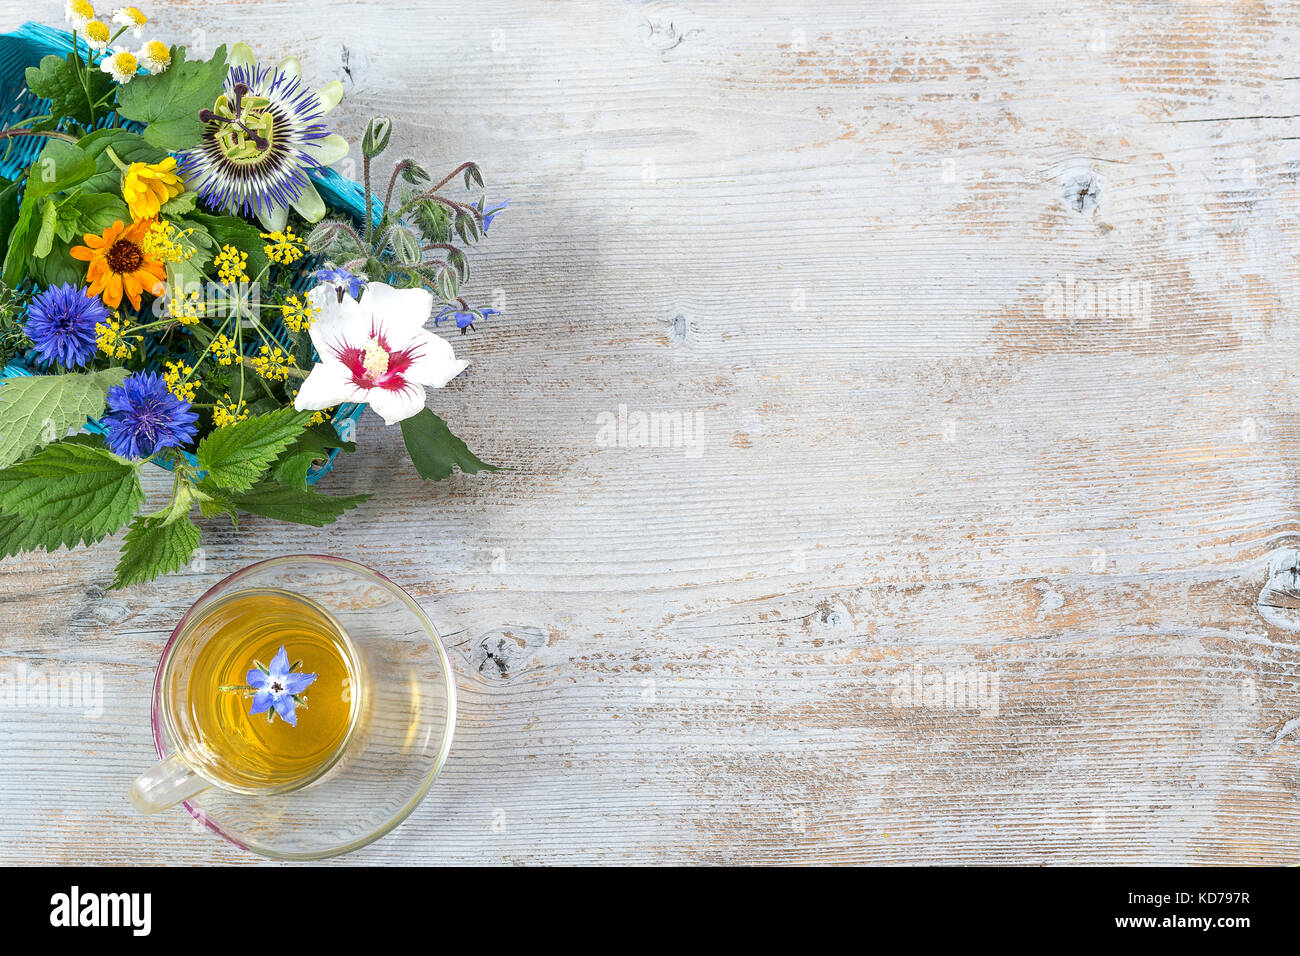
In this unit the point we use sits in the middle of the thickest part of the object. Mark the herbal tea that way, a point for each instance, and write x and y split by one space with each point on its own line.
261 718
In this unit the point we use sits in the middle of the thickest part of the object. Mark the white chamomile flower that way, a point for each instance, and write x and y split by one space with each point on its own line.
131 18
155 56
121 66
96 35
79 13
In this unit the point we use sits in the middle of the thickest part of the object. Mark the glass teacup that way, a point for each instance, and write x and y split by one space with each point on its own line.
315 749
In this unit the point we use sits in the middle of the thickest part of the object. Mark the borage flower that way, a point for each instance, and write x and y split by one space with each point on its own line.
118 264
61 324
343 281
261 139
464 317
144 417
375 351
278 687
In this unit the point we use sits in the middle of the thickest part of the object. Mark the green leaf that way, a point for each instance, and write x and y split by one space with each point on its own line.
58 79
434 449
91 212
231 230
130 148
291 468
20 533
375 140
45 237
235 456
21 239
170 102
277 501
155 546
86 488
39 409
60 166
179 205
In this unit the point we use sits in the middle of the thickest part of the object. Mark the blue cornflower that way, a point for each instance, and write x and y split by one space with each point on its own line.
489 214
144 416
342 280
465 317
61 324
277 687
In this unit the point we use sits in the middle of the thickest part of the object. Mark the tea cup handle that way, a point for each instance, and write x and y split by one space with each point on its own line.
165 785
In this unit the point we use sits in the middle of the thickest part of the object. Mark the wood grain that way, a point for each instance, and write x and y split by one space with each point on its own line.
842 235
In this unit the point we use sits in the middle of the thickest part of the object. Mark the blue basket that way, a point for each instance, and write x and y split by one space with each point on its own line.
25 47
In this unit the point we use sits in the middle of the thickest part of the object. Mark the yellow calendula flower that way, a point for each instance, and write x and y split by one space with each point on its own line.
297 314
113 338
227 412
155 56
178 377
273 363
97 35
146 186
224 349
232 265
185 309
284 247
166 243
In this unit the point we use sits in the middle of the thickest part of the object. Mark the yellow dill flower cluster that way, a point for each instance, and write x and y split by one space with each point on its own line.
185 309
323 415
297 314
232 265
166 243
179 381
284 247
224 349
227 412
113 338
273 363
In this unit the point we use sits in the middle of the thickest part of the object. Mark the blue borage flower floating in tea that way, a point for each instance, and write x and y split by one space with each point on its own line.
279 688
261 138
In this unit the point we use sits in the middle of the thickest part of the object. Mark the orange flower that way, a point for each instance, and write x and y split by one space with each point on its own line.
118 264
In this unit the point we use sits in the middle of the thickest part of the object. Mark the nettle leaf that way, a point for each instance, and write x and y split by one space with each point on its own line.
303 506
236 456
231 230
130 148
72 484
170 102
434 449
155 545
20 533
57 78
37 410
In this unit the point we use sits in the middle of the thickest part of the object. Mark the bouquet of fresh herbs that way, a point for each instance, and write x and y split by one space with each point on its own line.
176 290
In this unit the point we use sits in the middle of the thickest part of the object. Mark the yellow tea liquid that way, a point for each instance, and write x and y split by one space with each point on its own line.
248 751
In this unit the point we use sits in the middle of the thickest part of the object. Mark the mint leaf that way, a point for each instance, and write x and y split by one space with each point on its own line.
40 409
56 79
235 456
130 148
170 102
77 485
155 546
20 533
434 449
231 230
272 500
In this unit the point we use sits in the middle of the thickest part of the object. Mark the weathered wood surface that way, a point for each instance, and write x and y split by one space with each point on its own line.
841 234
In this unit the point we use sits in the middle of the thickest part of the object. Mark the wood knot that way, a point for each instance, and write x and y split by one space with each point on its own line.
1279 600
1082 192
500 655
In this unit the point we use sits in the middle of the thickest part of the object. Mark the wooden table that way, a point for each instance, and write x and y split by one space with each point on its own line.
982 318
